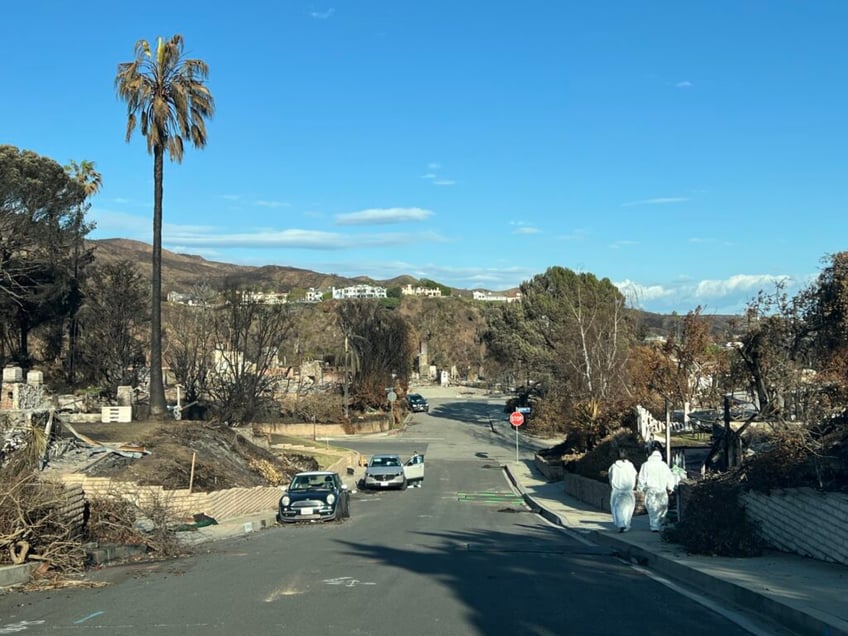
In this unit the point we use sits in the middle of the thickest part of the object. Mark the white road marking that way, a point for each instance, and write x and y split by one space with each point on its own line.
20 626
346 581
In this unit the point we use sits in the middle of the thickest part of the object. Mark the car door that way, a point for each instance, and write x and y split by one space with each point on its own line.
414 468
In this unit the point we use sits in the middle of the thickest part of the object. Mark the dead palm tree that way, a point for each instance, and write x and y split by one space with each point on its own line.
167 97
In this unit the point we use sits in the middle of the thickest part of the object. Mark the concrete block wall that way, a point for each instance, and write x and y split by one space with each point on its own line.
552 470
803 521
308 430
221 504
799 520
595 493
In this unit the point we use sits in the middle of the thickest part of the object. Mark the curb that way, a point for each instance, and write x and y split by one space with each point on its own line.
12 575
794 619
531 503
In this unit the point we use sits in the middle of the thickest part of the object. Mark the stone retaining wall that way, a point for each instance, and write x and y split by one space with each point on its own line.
804 521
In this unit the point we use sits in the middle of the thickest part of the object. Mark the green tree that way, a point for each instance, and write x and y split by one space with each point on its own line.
41 221
167 97
570 333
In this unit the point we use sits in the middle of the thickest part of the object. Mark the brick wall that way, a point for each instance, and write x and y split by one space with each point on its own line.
803 521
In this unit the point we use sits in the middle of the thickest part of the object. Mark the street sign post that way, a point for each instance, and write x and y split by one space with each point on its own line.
516 418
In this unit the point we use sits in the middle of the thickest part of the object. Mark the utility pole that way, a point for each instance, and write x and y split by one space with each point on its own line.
346 376
727 431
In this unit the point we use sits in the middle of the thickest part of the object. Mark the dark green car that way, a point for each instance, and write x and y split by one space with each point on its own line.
417 403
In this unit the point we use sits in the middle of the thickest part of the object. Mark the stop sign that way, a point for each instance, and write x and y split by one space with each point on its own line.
516 418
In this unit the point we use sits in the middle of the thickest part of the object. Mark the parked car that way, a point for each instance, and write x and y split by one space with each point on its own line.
414 470
384 471
417 403
314 496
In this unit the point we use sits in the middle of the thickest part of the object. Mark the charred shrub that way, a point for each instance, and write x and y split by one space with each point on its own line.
714 522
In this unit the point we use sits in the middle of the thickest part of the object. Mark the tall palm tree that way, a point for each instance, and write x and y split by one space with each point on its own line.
167 97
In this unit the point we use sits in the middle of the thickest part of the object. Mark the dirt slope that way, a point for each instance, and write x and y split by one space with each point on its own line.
223 457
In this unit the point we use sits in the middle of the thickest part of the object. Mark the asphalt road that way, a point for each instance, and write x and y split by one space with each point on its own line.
461 555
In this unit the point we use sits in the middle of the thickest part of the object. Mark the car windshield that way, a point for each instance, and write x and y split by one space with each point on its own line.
385 461
311 482
416 398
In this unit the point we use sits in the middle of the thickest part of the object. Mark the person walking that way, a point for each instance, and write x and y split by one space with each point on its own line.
622 479
656 480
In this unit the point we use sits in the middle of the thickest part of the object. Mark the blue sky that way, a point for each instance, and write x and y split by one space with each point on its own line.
691 152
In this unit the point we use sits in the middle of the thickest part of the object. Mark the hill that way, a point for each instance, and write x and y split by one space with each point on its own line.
181 271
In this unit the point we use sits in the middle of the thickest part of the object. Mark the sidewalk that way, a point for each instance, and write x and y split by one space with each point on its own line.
804 595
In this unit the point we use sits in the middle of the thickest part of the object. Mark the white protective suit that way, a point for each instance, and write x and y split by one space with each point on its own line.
656 480
622 479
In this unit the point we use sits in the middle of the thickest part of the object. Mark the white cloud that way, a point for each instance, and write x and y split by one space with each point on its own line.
684 84
636 293
272 204
433 176
726 296
303 239
382 216
740 283
322 15
526 229
112 223
656 201
231 197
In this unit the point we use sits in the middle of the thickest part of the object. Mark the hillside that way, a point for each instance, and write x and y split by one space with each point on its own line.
181 271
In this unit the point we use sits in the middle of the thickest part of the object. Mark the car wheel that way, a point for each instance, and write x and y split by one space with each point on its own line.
403 485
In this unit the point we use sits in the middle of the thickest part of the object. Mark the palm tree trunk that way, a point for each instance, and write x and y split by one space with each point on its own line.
158 407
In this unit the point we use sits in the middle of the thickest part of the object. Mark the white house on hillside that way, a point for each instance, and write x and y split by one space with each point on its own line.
490 297
429 292
358 291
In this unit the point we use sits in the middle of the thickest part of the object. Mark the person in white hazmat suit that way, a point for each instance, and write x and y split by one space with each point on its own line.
656 480
622 479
